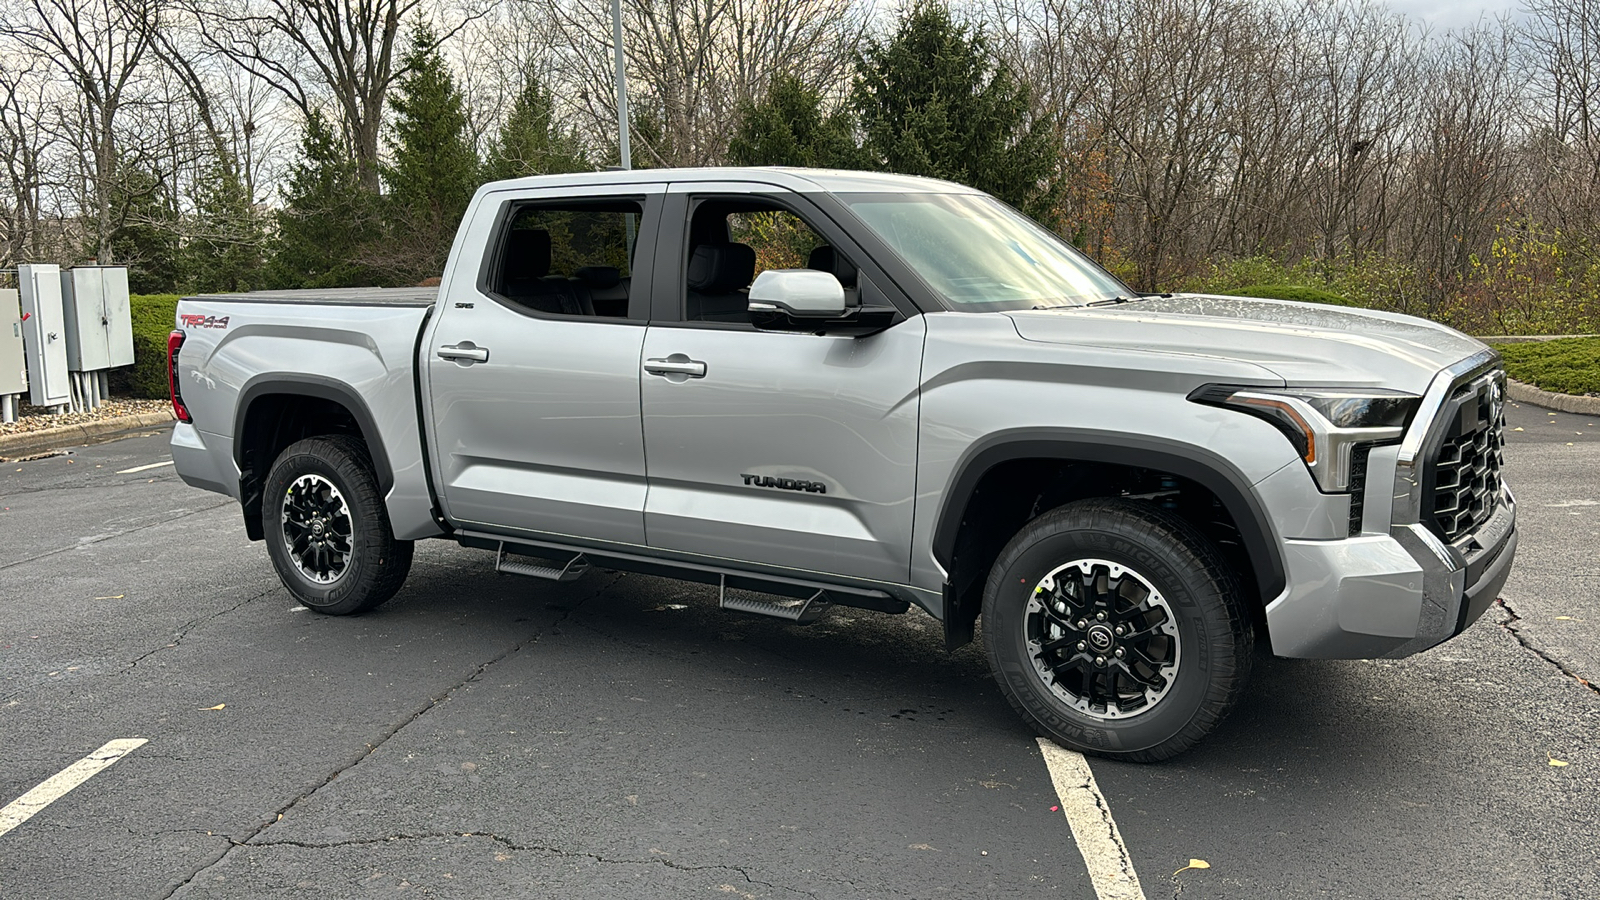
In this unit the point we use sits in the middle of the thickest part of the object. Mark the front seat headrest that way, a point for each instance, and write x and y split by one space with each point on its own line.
720 268
527 254
825 259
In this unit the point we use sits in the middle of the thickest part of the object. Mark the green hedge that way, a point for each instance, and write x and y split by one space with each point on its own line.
1295 292
1566 366
154 316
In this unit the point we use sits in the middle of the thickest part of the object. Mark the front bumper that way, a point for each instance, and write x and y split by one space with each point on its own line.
1389 595
1399 587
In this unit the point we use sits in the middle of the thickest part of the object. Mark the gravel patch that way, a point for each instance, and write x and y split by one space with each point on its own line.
38 418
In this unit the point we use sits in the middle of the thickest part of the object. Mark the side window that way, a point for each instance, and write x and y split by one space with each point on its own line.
731 241
568 258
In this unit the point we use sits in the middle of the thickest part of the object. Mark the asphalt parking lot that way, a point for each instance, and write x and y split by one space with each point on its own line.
488 736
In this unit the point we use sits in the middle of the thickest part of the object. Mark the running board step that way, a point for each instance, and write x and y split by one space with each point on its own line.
572 571
799 611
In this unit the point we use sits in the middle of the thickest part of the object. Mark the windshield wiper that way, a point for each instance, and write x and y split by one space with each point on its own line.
1110 301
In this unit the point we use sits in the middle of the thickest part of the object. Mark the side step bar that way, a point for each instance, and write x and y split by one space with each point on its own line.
811 599
799 611
575 568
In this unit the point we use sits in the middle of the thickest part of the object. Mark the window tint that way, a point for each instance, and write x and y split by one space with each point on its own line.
573 259
732 241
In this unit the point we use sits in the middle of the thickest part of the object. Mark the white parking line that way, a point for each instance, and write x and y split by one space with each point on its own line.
1110 869
56 786
143 468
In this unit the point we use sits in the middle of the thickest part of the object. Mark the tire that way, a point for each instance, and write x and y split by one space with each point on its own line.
1186 644
326 528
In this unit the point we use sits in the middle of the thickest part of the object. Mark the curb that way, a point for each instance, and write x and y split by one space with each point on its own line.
74 435
1567 403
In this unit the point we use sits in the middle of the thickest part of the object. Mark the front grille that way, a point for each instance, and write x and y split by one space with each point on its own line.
1358 487
1466 470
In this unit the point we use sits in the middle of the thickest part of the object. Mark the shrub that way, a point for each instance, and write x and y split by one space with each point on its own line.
1567 366
154 316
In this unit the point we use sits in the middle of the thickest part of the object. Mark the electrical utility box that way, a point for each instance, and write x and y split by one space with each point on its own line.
44 334
99 321
13 368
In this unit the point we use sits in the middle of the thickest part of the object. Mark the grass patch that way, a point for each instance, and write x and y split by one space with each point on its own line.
1296 292
1566 366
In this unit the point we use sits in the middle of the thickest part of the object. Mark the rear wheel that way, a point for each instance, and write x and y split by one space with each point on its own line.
326 528
1115 628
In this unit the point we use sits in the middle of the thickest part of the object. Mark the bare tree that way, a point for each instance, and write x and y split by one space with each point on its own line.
692 63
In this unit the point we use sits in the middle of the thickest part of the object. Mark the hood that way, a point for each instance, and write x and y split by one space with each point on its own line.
1303 343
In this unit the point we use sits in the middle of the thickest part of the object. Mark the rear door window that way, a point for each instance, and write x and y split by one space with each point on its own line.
568 258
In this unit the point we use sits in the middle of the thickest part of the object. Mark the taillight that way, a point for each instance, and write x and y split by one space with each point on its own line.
174 344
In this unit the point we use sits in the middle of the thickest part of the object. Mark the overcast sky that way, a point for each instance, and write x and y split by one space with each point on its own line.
1443 14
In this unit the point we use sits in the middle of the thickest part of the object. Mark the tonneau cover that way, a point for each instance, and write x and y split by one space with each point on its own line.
407 296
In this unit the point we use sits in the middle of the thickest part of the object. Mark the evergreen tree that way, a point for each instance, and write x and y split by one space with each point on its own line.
224 253
934 101
327 221
531 142
787 128
147 240
434 169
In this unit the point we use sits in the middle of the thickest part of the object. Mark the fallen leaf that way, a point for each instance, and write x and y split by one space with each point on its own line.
1518 428
214 708
1556 763
112 597
1565 619
1194 864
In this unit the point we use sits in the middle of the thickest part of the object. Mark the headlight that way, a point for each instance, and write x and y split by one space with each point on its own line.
1325 425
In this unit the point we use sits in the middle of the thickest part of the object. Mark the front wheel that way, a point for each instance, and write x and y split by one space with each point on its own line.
326 528
1116 629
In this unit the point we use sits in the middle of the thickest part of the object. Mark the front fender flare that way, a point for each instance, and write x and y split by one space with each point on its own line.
1196 464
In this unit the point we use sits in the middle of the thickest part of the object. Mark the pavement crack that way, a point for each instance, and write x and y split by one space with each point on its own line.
524 848
192 624
1510 626
427 706
114 535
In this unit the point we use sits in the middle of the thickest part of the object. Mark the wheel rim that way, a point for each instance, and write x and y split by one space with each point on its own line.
1102 638
317 529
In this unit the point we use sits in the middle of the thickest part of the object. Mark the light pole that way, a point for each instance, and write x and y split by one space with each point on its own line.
622 85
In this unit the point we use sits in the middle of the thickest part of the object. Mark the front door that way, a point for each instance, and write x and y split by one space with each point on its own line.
788 450
533 371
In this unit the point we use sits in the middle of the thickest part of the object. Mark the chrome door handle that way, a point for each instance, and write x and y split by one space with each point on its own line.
676 364
466 351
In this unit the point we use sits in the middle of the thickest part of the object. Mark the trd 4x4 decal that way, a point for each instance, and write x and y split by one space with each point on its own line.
193 321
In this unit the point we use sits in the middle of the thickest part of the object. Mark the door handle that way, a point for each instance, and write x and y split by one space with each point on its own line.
676 364
464 352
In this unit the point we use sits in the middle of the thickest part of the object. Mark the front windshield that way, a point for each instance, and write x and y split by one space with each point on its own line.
981 255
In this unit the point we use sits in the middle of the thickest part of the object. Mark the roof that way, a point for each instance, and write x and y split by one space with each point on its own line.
795 179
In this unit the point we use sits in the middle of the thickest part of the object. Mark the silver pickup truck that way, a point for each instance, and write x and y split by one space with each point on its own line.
815 388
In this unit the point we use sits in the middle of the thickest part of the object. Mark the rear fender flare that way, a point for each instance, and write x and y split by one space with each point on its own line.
322 388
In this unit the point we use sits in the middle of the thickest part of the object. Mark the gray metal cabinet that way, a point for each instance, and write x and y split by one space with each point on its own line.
44 330
99 321
13 368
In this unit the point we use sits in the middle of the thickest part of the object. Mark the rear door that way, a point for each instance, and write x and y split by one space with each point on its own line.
533 367
786 450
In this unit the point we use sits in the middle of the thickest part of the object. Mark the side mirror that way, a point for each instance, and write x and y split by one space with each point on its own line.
798 294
